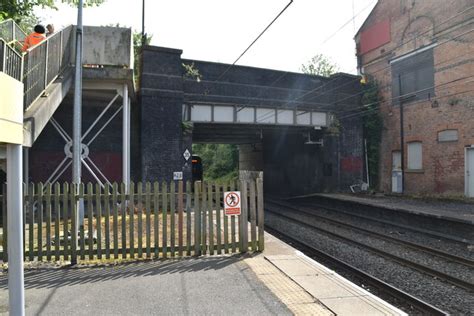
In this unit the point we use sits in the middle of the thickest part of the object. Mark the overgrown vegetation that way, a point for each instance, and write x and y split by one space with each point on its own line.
320 65
220 161
22 11
373 126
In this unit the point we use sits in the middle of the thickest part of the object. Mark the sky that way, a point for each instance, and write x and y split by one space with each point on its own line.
220 30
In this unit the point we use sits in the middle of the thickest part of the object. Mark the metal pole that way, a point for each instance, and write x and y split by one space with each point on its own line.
16 280
143 25
402 139
125 138
77 115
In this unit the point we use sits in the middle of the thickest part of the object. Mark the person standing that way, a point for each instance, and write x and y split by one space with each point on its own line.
34 38
50 30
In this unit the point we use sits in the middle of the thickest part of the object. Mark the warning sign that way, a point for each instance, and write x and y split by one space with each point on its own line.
232 203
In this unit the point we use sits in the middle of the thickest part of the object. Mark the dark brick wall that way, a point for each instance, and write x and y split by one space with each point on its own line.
162 139
106 150
290 166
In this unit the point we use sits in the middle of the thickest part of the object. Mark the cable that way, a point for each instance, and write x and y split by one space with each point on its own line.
409 94
386 86
409 104
345 24
402 44
350 82
251 44
323 104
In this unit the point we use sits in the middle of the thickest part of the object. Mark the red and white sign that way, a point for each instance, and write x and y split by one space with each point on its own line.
232 203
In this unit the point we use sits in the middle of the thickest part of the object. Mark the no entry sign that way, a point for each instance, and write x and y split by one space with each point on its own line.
232 203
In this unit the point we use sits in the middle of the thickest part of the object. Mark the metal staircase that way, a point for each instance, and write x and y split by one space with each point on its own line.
44 69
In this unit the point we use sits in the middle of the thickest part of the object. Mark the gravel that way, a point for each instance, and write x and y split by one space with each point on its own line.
452 247
443 265
443 295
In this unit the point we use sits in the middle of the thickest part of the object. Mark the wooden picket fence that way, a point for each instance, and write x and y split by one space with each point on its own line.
150 220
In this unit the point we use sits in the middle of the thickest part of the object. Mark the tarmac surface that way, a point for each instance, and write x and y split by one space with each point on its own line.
221 285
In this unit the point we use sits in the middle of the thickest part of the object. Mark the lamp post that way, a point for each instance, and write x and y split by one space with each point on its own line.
77 118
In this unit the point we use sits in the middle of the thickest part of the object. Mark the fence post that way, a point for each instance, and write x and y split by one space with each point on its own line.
260 215
197 217
243 217
46 64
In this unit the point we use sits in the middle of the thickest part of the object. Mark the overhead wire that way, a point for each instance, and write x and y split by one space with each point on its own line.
411 93
385 68
255 40
351 82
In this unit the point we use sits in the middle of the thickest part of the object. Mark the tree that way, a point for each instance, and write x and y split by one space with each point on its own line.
220 161
320 65
22 11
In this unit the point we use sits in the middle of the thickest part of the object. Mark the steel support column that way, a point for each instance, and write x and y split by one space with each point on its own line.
16 280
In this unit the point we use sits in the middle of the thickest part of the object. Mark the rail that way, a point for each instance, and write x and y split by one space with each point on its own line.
41 64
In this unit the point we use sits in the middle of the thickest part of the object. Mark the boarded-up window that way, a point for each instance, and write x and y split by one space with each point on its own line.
415 156
449 135
416 74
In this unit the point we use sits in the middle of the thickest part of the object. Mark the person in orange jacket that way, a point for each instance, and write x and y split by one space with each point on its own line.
34 38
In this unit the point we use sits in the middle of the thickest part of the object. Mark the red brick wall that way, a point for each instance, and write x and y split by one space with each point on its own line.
415 24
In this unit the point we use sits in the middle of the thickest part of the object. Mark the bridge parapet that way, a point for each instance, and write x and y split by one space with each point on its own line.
108 46
225 114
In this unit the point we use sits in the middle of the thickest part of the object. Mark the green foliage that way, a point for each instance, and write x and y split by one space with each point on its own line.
191 72
22 11
373 126
220 161
320 65
137 50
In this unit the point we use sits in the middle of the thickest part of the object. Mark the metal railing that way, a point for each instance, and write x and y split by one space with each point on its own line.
44 62
11 33
11 61
41 64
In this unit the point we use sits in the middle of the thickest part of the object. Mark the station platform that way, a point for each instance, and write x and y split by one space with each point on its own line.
454 211
309 288
279 281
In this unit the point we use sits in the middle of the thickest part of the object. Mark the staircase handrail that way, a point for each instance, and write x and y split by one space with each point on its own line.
11 61
44 62
11 32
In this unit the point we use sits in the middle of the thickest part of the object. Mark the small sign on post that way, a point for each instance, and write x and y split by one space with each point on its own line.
232 203
178 175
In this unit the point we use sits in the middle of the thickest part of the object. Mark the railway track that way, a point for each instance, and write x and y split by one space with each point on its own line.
469 263
417 305
438 235
454 280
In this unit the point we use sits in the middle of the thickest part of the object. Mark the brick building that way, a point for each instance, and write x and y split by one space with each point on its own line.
421 55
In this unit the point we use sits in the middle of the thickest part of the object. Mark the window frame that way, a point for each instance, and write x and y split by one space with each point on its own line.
414 64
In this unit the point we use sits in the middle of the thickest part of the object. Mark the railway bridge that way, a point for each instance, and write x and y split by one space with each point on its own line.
294 127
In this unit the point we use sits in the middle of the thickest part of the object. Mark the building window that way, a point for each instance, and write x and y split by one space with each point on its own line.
396 160
415 156
416 74
448 135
